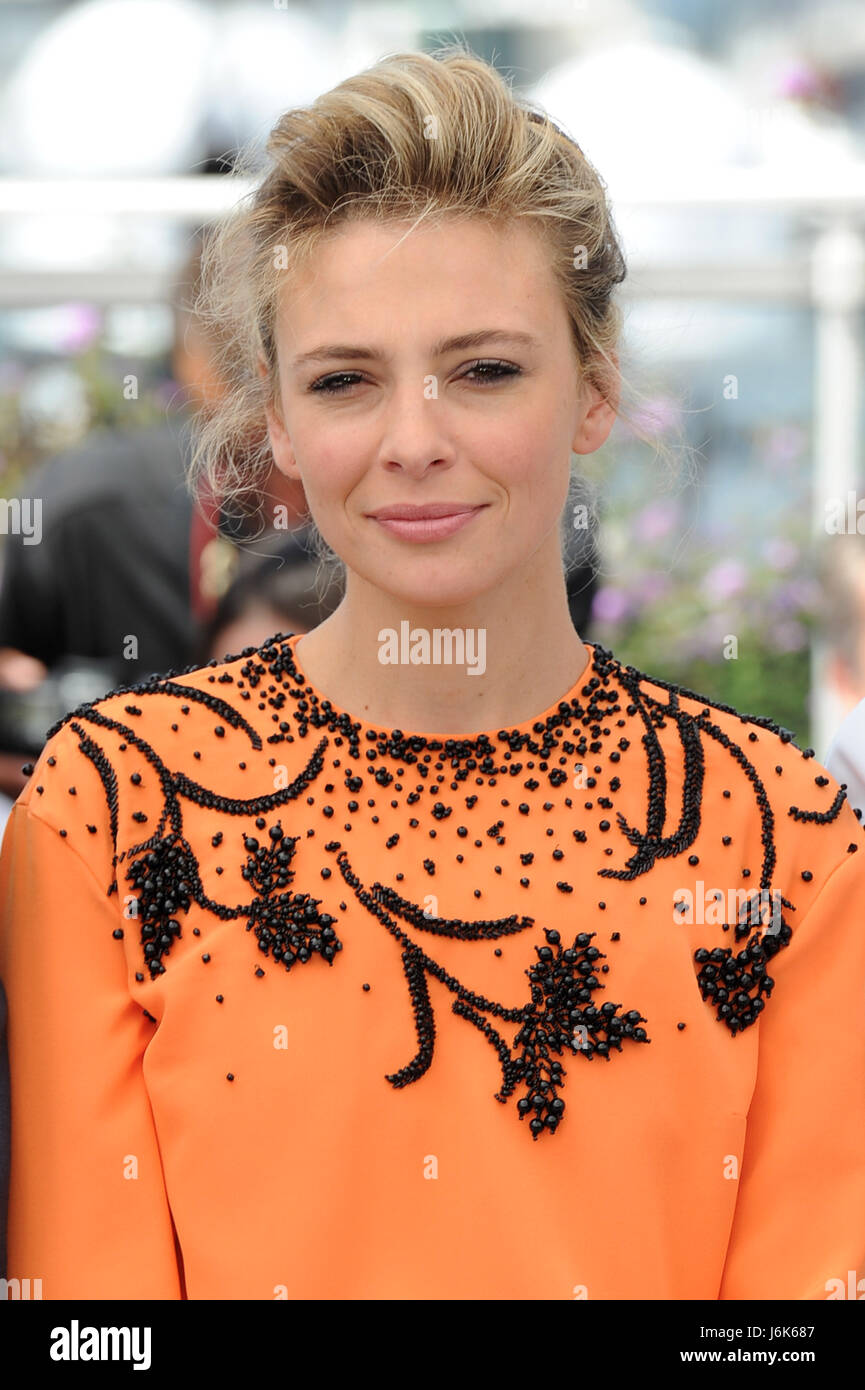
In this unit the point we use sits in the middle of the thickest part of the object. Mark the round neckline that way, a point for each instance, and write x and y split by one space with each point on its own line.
526 726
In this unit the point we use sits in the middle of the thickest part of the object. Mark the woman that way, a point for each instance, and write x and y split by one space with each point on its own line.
432 953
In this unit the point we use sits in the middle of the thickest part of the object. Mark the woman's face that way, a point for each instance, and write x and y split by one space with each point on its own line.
418 420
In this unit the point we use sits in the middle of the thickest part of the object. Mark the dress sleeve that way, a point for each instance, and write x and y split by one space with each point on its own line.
799 1224
88 1211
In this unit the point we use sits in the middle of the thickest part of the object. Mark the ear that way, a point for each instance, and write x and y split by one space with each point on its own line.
280 444
598 413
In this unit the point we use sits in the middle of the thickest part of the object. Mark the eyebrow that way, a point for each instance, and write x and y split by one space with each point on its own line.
461 341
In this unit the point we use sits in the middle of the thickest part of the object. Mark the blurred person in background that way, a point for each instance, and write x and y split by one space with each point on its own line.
842 575
127 571
266 600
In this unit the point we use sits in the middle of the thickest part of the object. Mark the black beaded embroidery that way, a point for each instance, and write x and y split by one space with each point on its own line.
562 982
289 926
163 881
737 983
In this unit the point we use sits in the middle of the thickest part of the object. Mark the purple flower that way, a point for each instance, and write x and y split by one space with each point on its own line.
796 594
784 445
610 605
653 417
780 553
83 324
709 634
656 520
788 637
800 80
652 586
724 580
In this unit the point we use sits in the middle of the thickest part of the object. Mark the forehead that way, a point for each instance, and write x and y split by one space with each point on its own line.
365 269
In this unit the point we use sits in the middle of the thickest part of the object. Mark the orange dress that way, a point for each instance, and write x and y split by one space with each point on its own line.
303 1008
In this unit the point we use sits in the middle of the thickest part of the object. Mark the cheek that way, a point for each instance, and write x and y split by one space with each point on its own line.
329 466
532 468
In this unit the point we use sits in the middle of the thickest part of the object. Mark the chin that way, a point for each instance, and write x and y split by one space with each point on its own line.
436 591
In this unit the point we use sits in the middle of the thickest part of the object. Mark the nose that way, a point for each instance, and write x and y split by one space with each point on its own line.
413 438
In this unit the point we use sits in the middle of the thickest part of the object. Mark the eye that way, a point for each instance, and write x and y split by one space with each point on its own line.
336 383
492 371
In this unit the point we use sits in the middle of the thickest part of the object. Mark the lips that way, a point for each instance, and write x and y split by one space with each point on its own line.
430 511
434 522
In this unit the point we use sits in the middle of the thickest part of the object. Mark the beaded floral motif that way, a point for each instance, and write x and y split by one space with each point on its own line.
736 983
163 882
560 1016
288 925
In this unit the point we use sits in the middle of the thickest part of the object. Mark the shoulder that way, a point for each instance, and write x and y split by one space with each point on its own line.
746 770
109 773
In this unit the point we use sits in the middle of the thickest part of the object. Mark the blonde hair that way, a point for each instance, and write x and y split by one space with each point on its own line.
416 136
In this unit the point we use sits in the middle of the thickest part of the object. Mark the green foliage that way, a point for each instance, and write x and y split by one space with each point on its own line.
715 588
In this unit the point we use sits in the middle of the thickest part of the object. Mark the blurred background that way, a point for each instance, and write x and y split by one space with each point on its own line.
732 141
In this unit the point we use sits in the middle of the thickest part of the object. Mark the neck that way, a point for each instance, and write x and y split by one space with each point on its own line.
489 664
